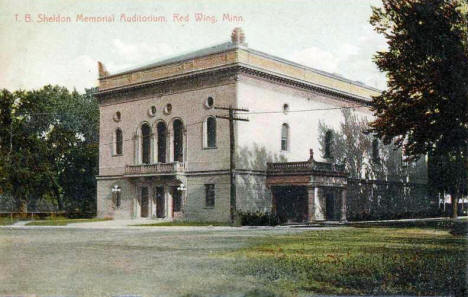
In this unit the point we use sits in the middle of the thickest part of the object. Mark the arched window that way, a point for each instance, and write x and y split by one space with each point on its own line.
375 150
178 141
328 144
118 142
145 143
284 137
210 132
116 196
162 135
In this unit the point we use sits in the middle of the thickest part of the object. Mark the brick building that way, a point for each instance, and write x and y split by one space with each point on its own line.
163 153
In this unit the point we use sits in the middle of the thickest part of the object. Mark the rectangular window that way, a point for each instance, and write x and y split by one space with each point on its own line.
210 195
284 144
118 142
284 137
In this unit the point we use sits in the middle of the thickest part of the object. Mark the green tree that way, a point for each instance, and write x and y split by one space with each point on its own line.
425 106
25 170
349 145
354 148
48 148
72 136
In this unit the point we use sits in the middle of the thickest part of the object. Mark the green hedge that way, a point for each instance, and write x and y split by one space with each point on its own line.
259 218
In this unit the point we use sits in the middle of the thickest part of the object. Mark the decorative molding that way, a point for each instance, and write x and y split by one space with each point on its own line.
167 86
212 76
302 85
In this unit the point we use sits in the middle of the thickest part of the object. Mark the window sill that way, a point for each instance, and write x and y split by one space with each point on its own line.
117 155
209 207
210 148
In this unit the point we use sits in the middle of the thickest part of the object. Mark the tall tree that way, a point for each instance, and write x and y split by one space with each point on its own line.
25 171
425 106
355 149
71 133
48 148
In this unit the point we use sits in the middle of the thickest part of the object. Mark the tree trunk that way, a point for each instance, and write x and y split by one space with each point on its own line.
454 198
22 206
57 192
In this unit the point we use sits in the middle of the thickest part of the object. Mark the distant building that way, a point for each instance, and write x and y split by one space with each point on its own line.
163 153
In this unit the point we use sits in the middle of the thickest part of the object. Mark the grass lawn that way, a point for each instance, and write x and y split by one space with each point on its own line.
62 221
185 224
7 221
358 261
457 227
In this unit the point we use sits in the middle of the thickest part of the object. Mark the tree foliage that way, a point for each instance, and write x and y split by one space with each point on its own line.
427 70
424 109
48 148
382 185
355 148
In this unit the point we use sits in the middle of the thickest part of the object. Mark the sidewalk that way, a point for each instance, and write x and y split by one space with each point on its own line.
130 224
408 220
354 223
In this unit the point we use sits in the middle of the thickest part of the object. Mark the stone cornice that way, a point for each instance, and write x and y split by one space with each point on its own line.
194 78
297 65
234 69
300 84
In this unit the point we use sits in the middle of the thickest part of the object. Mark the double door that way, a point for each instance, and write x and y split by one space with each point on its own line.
158 205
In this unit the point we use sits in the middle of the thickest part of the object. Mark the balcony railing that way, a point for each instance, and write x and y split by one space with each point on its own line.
305 166
157 168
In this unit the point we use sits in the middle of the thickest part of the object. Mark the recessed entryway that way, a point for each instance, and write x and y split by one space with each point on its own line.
144 202
291 203
160 202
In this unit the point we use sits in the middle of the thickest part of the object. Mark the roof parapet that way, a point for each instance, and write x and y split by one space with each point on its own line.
102 70
238 36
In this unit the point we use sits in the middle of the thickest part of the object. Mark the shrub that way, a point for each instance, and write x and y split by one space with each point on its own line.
79 214
259 218
459 227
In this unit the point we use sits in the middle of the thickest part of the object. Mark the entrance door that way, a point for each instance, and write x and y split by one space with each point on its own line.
160 202
330 207
176 200
291 203
144 202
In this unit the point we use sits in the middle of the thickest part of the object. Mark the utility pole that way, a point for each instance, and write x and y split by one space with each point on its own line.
232 161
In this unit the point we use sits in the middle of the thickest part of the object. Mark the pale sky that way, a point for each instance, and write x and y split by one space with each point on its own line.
331 35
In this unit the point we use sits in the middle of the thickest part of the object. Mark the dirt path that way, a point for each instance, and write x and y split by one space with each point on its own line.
144 261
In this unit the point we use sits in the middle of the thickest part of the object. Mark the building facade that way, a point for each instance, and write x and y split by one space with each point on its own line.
165 149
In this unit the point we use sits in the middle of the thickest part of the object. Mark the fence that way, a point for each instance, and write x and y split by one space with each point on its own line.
367 199
32 215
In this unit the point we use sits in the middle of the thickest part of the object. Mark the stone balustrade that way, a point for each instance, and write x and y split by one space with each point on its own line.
305 166
157 168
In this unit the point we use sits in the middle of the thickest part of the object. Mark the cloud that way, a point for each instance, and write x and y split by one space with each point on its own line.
86 68
79 72
352 60
128 54
317 58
